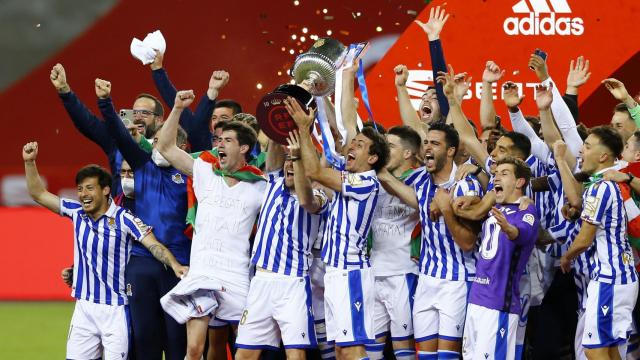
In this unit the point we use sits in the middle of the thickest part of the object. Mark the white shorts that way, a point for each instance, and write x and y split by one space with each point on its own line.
349 300
489 334
316 274
439 309
608 315
98 331
278 308
394 303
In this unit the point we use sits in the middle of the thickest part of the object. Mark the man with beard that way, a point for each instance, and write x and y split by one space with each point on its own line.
349 280
228 194
392 231
441 294
103 236
279 300
155 182
612 293
508 237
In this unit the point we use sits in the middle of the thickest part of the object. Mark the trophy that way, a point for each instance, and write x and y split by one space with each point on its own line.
315 75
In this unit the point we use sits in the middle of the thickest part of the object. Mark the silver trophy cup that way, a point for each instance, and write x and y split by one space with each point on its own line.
316 69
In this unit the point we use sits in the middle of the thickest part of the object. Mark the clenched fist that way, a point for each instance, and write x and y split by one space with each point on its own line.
58 78
183 99
103 88
30 151
402 75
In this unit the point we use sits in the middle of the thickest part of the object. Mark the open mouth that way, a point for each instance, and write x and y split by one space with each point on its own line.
222 155
87 202
498 189
426 111
289 173
429 160
350 156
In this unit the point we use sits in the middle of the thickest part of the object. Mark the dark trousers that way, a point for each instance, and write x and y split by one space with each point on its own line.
154 331
552 325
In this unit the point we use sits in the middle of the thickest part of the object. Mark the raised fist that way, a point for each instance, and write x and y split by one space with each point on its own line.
183 99
58 78
218 80
492 72
103 88
30 151
402 75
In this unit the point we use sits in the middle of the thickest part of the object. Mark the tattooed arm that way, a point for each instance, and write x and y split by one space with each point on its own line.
162 254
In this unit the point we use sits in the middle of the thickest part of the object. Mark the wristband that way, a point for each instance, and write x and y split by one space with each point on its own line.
631 177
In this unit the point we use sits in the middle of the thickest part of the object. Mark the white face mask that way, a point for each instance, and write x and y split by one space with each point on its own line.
128 187
158 159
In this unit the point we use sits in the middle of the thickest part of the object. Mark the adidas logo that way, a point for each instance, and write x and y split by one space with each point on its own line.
542 19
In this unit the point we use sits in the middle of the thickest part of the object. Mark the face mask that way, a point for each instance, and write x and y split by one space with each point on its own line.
128 187
158 159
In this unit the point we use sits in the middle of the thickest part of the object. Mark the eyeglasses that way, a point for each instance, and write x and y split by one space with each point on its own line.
144 112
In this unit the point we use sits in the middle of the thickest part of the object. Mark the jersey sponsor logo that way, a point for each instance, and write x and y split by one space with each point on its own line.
529 219
177 178
541 18
502 332
482 281
591 206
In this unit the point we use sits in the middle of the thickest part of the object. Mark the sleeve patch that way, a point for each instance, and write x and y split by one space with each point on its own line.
529 219
591 206
354 179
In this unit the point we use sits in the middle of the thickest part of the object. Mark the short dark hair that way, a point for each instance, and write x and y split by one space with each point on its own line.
158 109
94 171
451 136
231 104
534 122
244 134
219 124
375 125
636 136
378 147
410 138
609 138
181 135
520 142
583 131
521 169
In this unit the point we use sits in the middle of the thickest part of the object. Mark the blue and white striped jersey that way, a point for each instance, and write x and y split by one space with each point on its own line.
286 231
603 207
101 250
440 256
345 238
469 186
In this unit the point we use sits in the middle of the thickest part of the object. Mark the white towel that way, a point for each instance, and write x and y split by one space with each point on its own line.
145 50
192 297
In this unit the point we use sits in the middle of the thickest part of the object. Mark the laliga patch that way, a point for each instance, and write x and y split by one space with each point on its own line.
177 178
591 206
471 193
529 219
354 179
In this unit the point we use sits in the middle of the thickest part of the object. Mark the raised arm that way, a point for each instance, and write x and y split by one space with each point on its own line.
275 156
397 188
36 188
577 76
433 28
135 156
459 120
572 188
348 105
617 89
83 120
328 177
468 208
492 73
408 114
550 132
177 157
307 199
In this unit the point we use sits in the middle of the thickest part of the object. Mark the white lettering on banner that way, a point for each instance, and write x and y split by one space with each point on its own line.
415 88
542 19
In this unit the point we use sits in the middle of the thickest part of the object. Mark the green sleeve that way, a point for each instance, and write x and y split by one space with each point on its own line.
635 114
145 144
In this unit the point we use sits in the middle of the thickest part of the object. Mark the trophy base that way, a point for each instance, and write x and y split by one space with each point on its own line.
272 114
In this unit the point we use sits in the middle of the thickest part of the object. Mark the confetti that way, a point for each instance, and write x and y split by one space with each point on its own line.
379 28
223 36
329 32
324 11
38 25
305 30
57 130
292 51
292 82
516 72
328 17
296 3
344 32
419 64
303 39
279 73
270 42
294 36
283 48
412 12
259 86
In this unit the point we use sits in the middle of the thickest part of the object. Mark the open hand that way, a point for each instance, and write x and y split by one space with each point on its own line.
294 144
511 95
433 27
544 96
578 74
302 119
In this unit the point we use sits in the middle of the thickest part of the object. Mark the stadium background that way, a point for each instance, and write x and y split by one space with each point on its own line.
91 39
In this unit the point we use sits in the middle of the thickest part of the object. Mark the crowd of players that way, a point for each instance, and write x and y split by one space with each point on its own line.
431 236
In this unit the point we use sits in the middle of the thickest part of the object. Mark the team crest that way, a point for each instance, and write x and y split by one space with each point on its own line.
177 178
129 291
111 222
626 258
